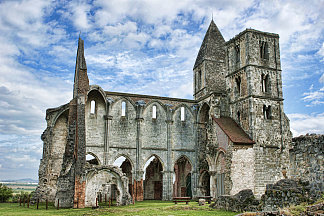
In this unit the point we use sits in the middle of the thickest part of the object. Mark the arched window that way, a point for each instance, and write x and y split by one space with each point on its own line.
182 113
266 112
237 53
92 107
264 50
265 83
238 85
154 112
238 116
123 113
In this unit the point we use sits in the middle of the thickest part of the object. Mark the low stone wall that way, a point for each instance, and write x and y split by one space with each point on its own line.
284 193
307 161
242 201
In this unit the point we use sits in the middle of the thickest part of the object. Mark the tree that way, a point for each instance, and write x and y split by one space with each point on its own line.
5 193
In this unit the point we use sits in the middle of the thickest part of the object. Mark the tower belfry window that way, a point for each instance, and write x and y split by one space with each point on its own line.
154 112
238 85
92 107
266 112
265 83
123 109
238 116
264 50
237 53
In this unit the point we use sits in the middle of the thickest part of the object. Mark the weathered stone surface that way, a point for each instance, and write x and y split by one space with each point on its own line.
284 193
242 201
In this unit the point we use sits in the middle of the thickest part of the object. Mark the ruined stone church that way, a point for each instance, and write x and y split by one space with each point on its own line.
232 135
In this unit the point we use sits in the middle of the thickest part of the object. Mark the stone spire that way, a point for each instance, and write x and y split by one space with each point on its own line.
211 46
81 80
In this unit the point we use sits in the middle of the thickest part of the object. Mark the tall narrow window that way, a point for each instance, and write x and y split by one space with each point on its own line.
238 85
264 50
265 83
199 80
238 116
266 112
92 107
182 113
237 53
123 109
154 112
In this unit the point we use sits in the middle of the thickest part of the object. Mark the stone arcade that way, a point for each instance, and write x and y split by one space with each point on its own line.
233 135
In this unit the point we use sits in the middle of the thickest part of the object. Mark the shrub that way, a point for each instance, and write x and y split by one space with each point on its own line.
5 193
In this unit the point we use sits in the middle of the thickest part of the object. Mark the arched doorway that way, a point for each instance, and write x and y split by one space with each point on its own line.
204 179
153 179
182 184
125 164
220 174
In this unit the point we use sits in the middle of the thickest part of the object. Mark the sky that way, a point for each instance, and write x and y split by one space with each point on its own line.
139 46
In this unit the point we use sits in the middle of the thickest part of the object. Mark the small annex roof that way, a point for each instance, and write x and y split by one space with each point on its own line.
234 132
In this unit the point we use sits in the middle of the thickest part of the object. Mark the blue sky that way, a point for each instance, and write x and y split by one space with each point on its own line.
145 47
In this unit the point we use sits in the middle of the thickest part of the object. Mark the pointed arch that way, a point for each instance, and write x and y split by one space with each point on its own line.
156 156
98 89
186 108
125 156
95 156
203 114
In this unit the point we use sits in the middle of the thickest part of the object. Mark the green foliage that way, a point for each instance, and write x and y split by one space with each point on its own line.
5 193
22 195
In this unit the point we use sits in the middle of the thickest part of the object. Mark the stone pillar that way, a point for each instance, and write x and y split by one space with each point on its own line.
138 186
167 178
213 189
194 184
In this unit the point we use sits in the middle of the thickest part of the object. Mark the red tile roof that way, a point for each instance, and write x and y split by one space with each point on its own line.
234 132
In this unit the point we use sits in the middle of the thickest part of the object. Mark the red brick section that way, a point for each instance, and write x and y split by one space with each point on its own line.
79 193
83 82
138 190
234 132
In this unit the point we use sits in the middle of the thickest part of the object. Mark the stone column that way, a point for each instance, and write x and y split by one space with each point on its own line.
168 173
167 178
213 189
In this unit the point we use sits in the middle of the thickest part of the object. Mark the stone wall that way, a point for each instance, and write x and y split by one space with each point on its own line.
306 161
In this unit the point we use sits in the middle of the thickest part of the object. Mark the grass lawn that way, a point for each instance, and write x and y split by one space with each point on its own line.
140 208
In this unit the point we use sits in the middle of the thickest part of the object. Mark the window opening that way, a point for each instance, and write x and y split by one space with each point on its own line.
123 108
239 116
199 79
267 112
265 81
264 50
237 53
92 107
238 84
154 112
182 113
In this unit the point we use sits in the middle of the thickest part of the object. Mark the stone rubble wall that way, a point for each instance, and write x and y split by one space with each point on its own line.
306 161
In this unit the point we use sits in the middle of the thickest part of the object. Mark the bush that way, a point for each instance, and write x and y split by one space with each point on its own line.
5 193
22 196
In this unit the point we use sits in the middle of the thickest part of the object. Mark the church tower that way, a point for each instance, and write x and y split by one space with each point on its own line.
254 86
209 68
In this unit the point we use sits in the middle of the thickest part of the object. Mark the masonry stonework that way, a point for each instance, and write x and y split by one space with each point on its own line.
233 135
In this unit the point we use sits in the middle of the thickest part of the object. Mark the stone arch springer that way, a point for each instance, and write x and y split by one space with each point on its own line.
122 98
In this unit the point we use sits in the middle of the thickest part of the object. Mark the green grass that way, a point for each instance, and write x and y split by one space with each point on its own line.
140 208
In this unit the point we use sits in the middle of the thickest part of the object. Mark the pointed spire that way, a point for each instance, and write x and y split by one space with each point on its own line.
81 81
213 43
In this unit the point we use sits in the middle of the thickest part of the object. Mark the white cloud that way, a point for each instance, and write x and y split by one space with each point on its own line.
302 124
